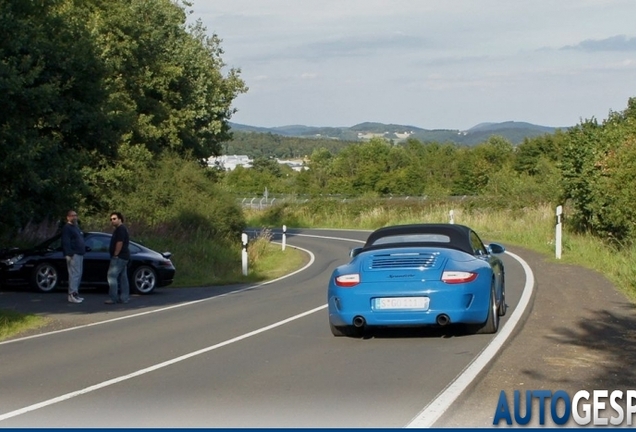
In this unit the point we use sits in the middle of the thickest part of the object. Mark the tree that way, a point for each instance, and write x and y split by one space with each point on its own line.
165 79
267 165
359 167
535 151
478 164
598 170
53 120
316 178
87 86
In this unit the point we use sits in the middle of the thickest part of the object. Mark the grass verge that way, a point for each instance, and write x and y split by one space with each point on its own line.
530 228
13 323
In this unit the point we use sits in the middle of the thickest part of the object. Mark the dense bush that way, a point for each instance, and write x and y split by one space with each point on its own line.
598 169
172 192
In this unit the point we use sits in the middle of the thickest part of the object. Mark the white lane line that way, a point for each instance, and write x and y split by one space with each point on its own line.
426 418
436 408
330 238
155 367
113 381
312 258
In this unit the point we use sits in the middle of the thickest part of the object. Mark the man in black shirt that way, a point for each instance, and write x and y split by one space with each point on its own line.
117 276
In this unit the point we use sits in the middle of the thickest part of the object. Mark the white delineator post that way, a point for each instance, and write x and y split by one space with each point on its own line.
558 234
244 253
284 235
451 217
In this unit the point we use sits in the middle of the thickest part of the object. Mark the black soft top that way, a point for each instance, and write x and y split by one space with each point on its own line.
459 236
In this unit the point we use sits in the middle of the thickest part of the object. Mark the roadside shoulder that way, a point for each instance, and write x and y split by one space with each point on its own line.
578 336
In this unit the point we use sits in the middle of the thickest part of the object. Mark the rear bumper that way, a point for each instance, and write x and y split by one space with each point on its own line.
462 304
165 277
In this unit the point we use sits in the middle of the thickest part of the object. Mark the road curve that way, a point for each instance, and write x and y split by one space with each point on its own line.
248 356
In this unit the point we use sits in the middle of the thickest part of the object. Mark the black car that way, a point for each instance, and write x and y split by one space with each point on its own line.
43 267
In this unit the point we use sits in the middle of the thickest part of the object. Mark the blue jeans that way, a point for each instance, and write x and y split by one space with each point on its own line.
75 265
117 276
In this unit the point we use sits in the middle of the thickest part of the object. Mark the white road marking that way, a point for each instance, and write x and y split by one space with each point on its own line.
155 367
312 258
443 401
438 406
330 238
426 418
110 382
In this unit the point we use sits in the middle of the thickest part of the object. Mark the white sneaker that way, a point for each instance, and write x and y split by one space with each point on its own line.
74 298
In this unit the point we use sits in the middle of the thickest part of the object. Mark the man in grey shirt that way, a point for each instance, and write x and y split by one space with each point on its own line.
74 249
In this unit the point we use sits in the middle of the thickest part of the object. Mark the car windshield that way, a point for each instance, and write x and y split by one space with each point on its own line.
412 238
50 244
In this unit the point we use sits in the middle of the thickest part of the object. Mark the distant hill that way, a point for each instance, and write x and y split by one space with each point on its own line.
515 132
509 125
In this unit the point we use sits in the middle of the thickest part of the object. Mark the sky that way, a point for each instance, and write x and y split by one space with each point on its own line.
433 64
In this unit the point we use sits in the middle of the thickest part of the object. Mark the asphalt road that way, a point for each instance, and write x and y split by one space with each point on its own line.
263 356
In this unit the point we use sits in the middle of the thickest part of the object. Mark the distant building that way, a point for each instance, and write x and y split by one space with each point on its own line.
229 162
293 164
370 135
403 135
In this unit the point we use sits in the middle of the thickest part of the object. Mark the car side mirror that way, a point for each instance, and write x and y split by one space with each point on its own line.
496 248
88 249
355 251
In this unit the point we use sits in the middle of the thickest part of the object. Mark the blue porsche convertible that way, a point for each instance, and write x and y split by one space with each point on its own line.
419 275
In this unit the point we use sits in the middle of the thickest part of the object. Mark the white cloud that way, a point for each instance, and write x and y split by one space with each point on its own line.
614 43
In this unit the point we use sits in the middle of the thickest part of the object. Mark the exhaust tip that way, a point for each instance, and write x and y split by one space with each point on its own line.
359 321
443 319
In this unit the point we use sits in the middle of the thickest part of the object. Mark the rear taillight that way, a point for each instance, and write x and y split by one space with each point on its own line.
457 277
348 280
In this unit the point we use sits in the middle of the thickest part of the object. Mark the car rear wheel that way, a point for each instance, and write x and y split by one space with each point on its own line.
45 278
492 322
144 279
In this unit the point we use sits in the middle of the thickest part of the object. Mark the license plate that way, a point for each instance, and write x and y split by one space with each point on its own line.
388 303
